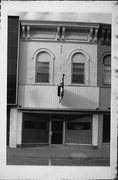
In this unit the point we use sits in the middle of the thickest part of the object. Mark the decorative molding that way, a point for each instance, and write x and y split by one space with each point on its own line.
72 32
58 33
28 32
51 54
91 35
23 32
79 51
63 33
105 35
95 35
108 36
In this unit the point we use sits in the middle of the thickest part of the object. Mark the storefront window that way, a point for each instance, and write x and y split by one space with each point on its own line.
79 126
35 125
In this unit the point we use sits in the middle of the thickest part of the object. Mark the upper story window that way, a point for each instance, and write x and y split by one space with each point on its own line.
43 67
44 62
107 70
78 68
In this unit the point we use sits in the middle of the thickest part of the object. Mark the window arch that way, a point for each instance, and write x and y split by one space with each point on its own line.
44 66
106 61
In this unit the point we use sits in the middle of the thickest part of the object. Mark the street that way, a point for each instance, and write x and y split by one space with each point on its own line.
61 155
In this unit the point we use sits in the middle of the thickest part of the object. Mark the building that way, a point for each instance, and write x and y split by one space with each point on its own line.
59 79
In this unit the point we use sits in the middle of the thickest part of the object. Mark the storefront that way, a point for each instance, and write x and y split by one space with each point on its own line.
56 129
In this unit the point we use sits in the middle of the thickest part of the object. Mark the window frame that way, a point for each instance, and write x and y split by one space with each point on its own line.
101 70
72 73
51 65
86 67
109 65
42 73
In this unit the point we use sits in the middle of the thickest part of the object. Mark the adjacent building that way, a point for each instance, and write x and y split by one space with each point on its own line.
59 80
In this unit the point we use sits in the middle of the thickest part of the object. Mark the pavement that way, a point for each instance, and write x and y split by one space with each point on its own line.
61 155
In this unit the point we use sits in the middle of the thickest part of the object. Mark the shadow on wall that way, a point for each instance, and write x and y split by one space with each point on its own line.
74 100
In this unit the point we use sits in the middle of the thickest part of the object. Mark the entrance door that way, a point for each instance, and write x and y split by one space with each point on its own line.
57 132
106 128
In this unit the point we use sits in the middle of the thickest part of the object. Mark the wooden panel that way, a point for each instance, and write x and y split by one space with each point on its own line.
36 96
80 136
43 33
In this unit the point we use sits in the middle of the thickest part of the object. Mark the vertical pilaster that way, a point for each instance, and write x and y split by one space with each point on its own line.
64 132
13 127
50 132
95 130
100 131
19 128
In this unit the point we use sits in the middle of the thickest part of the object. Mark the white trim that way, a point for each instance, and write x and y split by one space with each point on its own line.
95 130
78 51
51 54
34 143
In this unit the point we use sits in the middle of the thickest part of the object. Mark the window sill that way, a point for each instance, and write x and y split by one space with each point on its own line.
44 84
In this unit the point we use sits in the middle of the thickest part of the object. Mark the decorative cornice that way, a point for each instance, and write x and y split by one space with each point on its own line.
78 32
105 34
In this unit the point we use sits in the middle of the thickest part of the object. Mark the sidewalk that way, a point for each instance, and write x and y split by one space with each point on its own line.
59 155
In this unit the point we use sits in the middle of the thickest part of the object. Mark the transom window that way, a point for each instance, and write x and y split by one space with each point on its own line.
43 67
78 69
107 69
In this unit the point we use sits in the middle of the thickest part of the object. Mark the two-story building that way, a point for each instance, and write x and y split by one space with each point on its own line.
41 49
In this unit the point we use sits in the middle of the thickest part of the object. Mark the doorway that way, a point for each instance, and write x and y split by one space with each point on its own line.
106 128
57 132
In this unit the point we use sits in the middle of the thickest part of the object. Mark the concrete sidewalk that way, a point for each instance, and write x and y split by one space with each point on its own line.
59 155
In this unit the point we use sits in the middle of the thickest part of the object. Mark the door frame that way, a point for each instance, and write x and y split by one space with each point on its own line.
50 131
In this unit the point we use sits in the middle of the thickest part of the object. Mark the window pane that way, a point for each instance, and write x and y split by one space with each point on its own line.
107 60
42 71
42 77
35 125
107 69
107 74
107 78
78 73
78 78
43 67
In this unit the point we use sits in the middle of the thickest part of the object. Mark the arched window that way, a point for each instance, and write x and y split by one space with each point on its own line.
107 69
43 67
78 68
